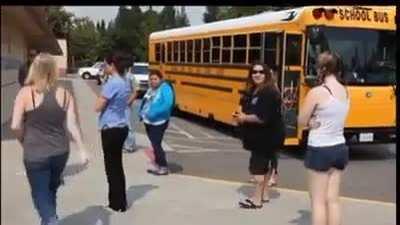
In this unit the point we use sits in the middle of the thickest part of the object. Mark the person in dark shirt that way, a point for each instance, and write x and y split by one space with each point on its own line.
262 127
24 68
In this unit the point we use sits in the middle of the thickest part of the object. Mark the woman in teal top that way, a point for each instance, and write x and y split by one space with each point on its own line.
155 111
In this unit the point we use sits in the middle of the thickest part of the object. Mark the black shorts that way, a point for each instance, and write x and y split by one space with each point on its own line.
324 158
260 162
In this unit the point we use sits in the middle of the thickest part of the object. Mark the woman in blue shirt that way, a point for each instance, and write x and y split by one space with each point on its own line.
155 112
113 123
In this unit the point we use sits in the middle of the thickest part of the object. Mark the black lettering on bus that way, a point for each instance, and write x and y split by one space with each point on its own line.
368 18
357 15
364 15
347 14
352 14
375 17
341 14
386 17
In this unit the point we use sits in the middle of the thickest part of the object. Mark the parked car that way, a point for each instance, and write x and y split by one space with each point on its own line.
91 72
141 72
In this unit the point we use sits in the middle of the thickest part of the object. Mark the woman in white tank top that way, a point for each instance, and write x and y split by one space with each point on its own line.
324 113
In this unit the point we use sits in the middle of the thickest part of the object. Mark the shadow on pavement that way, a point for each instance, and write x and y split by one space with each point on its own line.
247 190
371 152
174 167
303 219
73 169
136 192
93 215
98 215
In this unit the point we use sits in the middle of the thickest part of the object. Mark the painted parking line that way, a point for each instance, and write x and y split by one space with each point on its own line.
173 125
197 149
235 183
204 139
170 131
205 134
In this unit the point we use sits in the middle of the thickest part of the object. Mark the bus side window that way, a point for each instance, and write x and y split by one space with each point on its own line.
197 51
255 48
169 52
176 52
157 52
270 49
216 47
239 48
189 44
293 49
182 51
206 50
162 54
226 49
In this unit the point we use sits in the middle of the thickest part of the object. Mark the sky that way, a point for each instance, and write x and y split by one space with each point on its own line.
96 13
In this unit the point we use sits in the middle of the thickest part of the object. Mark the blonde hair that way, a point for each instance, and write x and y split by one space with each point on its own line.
42 72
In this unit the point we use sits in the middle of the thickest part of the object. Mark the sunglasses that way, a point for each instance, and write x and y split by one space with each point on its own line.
257 71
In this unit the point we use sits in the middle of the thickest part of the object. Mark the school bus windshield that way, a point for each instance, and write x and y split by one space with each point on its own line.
369 56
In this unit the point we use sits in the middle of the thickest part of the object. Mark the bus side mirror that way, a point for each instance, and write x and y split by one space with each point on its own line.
311 81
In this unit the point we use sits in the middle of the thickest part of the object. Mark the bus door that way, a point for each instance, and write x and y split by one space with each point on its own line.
291 71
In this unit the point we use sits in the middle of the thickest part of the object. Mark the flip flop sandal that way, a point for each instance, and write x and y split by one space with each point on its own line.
248 204
265 201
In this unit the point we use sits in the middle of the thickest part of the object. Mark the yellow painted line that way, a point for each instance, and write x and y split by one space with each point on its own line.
228 182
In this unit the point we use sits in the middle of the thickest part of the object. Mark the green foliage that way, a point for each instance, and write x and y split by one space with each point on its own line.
83 39
211 14
59 20
167 17
181 18
89 42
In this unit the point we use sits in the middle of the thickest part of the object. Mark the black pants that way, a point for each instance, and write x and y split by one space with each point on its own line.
112 140
156 134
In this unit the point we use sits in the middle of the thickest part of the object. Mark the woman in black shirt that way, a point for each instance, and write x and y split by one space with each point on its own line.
263 131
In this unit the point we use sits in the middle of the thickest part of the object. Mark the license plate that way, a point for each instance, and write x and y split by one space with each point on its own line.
366 137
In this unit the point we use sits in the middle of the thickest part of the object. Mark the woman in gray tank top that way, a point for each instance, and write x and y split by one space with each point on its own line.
43 112
324 112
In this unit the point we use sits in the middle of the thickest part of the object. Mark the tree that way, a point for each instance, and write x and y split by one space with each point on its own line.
151 23
167 17
83 39
102 25
211 14
127 32
181 18
59 20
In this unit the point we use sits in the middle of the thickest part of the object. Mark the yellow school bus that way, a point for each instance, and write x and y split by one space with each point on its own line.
208 64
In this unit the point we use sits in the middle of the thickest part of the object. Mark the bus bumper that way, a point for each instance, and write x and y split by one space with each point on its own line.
370 136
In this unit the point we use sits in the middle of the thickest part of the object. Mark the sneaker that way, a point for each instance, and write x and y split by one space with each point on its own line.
162 171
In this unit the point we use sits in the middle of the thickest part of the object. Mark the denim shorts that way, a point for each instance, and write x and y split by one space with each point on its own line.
324 158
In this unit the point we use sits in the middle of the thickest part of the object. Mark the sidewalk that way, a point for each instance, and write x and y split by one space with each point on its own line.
175 199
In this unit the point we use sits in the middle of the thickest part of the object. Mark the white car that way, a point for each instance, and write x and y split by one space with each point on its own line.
141 72
91 72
